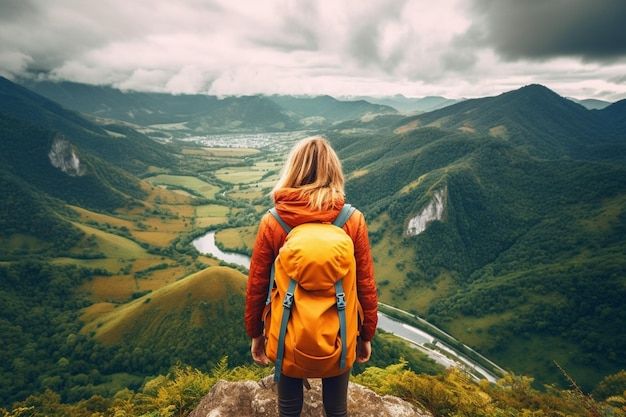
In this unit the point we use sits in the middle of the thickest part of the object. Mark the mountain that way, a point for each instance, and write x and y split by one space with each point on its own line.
528 243
327 109
197 114
593 104
47 160
145 109
615 114
534 117
52 159
59 153
409 105
115 143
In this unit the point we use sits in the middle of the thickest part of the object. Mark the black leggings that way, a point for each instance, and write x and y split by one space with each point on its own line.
334 396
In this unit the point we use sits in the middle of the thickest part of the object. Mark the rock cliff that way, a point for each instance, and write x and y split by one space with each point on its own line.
63 156
434 210
251 399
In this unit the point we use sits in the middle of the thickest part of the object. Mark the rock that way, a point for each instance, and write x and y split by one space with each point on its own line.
249 398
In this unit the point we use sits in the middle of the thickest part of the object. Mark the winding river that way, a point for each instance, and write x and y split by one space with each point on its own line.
206 244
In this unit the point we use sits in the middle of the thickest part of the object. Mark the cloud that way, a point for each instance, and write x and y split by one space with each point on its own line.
593 31
455 48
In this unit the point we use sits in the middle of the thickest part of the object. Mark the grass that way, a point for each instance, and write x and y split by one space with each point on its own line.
392 262
90 216
231 152
200 187
237 238
158 229
204 222
108 264
212 210
240 175
18 242
611 210
141 319
113 245
121 287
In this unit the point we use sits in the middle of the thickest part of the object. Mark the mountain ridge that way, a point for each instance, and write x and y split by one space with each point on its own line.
205 114
523 116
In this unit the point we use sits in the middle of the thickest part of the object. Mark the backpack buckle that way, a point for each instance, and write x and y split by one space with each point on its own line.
288 300
341 301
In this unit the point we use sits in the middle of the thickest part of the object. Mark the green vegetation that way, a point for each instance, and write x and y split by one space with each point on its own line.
449 394
529 249
102 289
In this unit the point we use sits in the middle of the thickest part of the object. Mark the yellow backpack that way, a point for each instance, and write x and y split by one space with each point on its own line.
312 313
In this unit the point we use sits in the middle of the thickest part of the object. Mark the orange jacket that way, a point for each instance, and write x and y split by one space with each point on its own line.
269 240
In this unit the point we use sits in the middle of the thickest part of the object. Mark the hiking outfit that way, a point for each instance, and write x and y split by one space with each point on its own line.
270 238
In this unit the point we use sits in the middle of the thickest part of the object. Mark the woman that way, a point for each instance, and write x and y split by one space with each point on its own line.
311 188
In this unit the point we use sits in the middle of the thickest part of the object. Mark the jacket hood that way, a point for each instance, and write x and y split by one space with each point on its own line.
294 211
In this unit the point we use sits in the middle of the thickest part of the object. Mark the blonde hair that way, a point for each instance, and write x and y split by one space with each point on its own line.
315 169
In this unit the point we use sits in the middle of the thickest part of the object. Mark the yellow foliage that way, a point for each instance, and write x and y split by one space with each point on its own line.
183 392
452 394
618 404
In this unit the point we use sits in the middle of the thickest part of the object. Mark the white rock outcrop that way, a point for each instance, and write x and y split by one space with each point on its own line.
434 210
63 156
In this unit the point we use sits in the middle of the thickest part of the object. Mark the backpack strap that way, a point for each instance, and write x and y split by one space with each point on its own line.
341 219
285 226
344 215
287 303
274 213
341 310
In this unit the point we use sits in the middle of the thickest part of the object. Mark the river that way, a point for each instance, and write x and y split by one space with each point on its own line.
418 338
206 244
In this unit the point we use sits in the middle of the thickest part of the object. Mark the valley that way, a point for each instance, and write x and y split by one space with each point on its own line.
522 263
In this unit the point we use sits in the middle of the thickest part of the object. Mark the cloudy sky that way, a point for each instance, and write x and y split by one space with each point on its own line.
452 48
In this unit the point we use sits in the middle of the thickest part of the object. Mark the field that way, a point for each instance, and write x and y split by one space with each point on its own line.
248 174
197 186
120 242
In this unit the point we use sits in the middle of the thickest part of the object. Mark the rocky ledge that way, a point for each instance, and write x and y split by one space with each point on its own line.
249 398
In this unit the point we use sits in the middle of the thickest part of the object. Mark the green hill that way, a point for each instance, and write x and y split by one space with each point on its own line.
196 320
51 157
40 173
616 114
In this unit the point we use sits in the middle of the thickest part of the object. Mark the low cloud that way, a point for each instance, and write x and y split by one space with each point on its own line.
455 48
